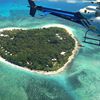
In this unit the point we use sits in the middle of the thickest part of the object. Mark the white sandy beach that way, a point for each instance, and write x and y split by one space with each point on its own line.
74 52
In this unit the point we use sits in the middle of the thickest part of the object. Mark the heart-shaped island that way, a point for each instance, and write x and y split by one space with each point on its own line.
44 49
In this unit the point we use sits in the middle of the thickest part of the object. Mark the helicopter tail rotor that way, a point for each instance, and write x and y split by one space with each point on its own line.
32 7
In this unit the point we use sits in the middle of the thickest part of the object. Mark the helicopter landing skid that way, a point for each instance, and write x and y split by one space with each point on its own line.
92 39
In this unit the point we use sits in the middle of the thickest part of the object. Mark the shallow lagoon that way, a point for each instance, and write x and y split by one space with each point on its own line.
80 81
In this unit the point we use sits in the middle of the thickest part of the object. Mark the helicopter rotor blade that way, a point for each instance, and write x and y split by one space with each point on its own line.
70 1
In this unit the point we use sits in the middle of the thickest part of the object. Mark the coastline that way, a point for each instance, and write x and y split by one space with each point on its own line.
74 52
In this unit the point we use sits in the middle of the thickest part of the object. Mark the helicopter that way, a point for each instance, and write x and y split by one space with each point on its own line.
89 17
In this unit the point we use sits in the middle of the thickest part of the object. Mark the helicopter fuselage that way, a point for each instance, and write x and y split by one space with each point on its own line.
92 13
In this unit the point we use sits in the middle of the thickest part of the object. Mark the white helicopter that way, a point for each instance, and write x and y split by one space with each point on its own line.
92 13
89 17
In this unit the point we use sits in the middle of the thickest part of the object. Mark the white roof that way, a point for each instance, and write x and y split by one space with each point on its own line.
62 53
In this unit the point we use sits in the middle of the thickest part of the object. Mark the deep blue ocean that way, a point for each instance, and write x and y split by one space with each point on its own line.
80 81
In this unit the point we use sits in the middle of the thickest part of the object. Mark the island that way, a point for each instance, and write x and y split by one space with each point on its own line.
43 49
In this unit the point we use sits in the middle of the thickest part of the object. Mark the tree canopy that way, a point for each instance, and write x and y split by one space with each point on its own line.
41 49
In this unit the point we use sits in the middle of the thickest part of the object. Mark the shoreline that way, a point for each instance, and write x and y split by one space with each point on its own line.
74 52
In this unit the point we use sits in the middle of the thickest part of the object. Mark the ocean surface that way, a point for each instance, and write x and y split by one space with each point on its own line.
80 81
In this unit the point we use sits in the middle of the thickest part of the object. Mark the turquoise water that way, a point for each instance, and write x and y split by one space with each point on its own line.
80 81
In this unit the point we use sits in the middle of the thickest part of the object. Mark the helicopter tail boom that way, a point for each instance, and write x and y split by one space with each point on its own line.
72 16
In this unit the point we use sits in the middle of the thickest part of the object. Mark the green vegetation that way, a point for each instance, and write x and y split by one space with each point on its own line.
41 49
